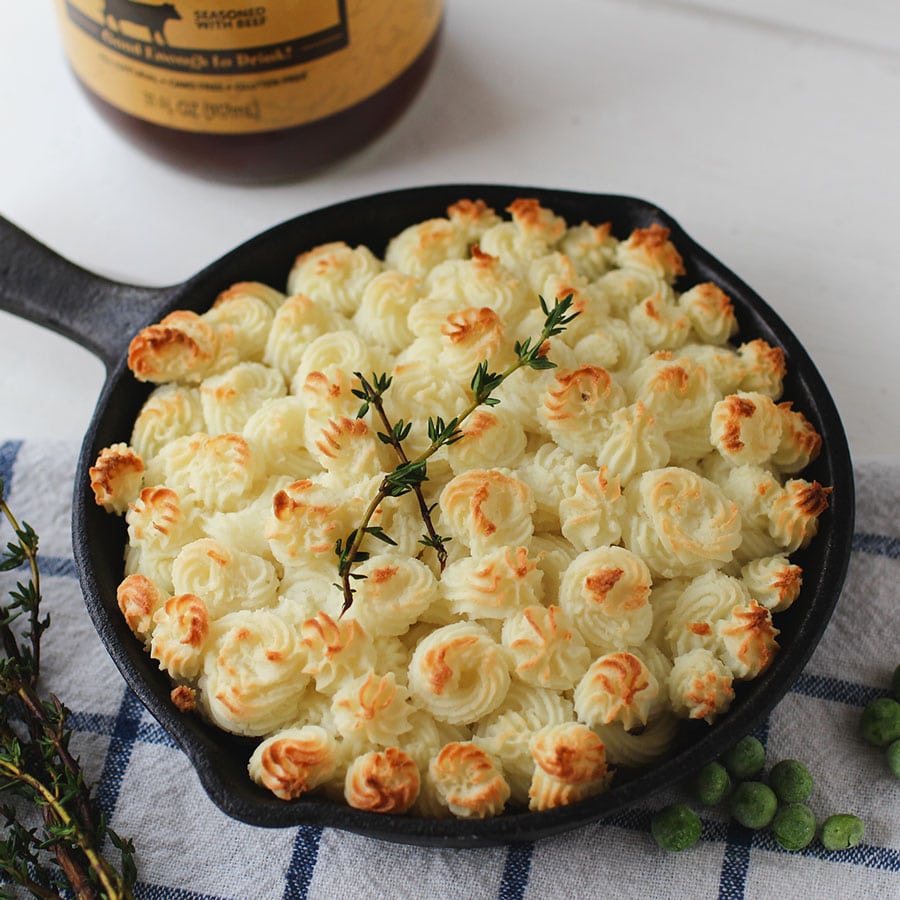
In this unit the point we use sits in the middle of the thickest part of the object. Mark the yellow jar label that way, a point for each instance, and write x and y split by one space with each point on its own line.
233 67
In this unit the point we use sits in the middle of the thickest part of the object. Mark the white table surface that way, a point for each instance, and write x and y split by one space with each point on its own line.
769 130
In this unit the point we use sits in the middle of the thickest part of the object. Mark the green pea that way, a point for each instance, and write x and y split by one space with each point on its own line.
893 758
753 804
794 826
676 827
895 684
745 759
880 722
842 831
791 781
710 785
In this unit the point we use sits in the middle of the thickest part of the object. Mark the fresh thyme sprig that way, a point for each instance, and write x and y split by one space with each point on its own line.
25 597
394 435
36 765
411 474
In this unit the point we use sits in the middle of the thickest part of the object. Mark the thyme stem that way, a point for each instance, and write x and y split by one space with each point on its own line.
43 727
36 763
108 881
353 548
410 474
396 443
25 550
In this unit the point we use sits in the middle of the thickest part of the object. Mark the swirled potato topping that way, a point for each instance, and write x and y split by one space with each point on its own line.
618 526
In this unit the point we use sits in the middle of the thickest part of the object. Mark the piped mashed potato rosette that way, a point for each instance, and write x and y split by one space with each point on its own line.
620 525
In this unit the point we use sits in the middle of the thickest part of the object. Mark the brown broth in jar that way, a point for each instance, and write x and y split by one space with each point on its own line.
250 93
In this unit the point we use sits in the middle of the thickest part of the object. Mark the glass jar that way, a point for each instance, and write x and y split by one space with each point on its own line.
251 91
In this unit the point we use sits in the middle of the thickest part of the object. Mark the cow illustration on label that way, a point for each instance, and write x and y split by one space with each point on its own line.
152 16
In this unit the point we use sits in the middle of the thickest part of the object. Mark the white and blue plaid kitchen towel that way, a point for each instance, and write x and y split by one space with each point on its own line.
188 850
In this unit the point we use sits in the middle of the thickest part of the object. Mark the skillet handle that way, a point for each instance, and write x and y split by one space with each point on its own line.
101 315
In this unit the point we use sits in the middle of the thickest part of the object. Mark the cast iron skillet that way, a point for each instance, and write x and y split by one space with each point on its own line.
102 316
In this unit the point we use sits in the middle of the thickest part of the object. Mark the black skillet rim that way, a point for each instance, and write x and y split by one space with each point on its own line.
219 759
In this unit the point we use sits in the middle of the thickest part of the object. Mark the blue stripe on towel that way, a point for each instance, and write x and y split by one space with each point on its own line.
144 891
736 861
304 854
151 732
92 723
9 450
516 871
58 566
121 745
871 857
824 688
877 545
735 864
